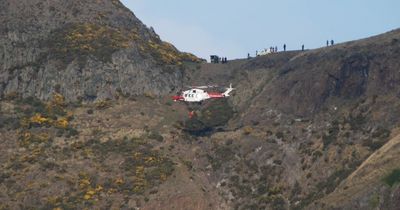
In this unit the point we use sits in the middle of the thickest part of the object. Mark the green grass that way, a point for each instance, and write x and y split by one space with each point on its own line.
392 178
374 201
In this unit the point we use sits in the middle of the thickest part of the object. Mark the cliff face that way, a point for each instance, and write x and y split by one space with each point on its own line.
317 129
349 71
307 124
84 50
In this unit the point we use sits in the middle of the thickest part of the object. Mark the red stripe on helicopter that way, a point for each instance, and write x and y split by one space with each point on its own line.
177 98
216 95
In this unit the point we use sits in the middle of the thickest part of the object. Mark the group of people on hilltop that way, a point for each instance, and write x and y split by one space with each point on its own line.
275 49
217 59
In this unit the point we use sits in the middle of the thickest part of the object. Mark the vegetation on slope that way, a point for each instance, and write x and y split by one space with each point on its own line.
393 177
81 40
215 113
77 41
71 172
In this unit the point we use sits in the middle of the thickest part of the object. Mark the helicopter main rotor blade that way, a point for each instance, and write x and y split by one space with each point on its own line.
203 87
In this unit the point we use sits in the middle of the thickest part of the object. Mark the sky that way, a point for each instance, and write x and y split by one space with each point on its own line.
233 28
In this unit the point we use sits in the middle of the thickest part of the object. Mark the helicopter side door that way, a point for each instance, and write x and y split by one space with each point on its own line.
194 95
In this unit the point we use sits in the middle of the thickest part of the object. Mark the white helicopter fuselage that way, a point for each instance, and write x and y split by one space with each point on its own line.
198 95
195 95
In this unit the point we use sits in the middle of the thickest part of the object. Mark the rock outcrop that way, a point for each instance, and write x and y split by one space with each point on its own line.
315 129
85 50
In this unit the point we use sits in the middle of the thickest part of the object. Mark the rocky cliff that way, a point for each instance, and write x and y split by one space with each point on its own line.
84 50
315 129
305 122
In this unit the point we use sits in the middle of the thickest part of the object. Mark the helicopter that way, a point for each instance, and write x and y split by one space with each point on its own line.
198 94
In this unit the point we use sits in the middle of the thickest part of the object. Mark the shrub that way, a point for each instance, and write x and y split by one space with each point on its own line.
374 144
222 155
381 133
11 96
316 154
104 104
9 122
196 127
333 180
166 53
332 134
27 138
81 40
379 138
61 123
279 135
39 120
36 106
247 130
357 122
156 136
149 95
216 113
279 203
374 201
72 132
277 162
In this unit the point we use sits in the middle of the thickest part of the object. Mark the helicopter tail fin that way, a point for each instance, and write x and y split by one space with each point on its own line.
228 90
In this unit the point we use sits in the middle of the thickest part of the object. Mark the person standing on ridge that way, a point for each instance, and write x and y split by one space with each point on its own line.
284 47
302 47
327 43
276 48
332 42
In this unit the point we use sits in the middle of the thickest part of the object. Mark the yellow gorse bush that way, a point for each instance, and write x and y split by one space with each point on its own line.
168 53
39 119
61 123
58 99
87 37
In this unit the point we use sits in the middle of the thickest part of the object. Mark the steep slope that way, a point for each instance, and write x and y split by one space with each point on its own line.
302 129
305 121
365 188
348 71
84 50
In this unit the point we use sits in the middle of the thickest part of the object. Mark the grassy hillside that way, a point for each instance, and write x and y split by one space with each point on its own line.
86 119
